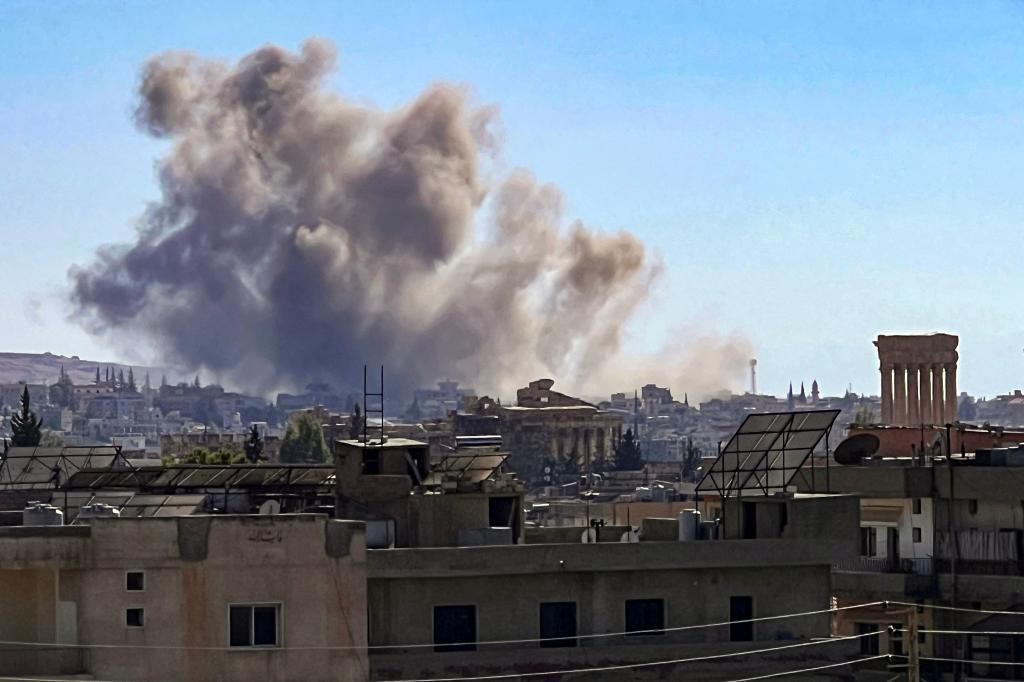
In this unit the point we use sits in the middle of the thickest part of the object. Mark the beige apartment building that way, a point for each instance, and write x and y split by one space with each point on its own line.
189 598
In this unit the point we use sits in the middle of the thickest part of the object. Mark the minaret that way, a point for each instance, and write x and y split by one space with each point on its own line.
789 398
814 392
753 376
803 395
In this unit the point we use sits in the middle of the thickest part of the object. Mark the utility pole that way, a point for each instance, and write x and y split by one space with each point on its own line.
913 647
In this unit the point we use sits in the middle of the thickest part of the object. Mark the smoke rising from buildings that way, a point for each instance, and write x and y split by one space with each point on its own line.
299 236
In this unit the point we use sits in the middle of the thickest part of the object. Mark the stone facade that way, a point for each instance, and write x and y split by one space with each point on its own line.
918 379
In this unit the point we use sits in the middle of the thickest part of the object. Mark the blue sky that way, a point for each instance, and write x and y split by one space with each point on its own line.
813 174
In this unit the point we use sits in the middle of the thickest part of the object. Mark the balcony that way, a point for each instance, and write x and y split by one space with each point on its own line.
863 564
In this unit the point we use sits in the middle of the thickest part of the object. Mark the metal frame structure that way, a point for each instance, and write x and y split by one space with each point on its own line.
204 476
467 465
366 405
52 468
767 451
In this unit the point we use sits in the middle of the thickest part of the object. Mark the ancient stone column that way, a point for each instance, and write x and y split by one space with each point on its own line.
951 397
886 370
938 406
925 374
899 397
913 413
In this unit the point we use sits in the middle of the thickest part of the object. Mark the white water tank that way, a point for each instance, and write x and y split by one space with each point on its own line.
97 510
38 514
689 525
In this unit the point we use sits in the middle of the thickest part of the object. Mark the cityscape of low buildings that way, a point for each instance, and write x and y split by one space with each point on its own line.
743 536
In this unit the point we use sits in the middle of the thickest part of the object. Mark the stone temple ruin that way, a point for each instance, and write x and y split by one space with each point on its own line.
918 379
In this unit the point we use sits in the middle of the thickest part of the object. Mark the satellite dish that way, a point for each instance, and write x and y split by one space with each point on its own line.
857 447
270 507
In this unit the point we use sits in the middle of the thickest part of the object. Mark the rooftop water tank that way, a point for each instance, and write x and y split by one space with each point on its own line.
38 514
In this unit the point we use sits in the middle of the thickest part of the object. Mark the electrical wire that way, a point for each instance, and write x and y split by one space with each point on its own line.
962 660
808 670
649 664
434 644
961 609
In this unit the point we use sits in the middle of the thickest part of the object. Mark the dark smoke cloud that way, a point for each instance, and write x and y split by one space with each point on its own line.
299 235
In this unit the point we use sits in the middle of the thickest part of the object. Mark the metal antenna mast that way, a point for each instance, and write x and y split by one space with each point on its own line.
367 410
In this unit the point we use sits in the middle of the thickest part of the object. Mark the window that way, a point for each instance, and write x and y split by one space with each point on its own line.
972 506
255 625
558 624
917 505
868 640
135 581
896 639
917 535
134 617
371 462
868 542
454 628
741 609
645 616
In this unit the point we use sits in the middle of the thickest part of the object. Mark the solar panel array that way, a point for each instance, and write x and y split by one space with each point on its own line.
130 504
48 468
467 466
202 476
767 451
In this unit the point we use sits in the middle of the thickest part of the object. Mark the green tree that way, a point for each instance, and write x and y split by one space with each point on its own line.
25 426
304 440
254 446
865 415
355 423
627 453
132 388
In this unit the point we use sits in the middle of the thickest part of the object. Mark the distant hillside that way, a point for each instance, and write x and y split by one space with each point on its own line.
38 368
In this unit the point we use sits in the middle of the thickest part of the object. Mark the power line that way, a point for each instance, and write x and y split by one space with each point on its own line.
434 644
649 664
809 670
964 660
961 609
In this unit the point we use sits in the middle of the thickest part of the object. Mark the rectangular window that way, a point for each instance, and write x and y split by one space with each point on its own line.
917 505
645 616
454 628
255 625
134 618
868 542
868 640
371 462
917 535
972 506
135 581
896 639
558 624
741 609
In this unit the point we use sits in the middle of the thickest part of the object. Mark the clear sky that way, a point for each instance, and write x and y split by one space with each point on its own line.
812 173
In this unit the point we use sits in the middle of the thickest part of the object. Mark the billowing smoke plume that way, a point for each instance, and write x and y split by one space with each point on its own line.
300 236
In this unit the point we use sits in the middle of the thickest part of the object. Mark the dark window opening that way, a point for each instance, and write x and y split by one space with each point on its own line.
896 639
558 624
454 628
868 542
254 625
501 513
135 581
917 505
868 640
645 616
749 520
917 535
741 609
972 506
371 462
134 618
